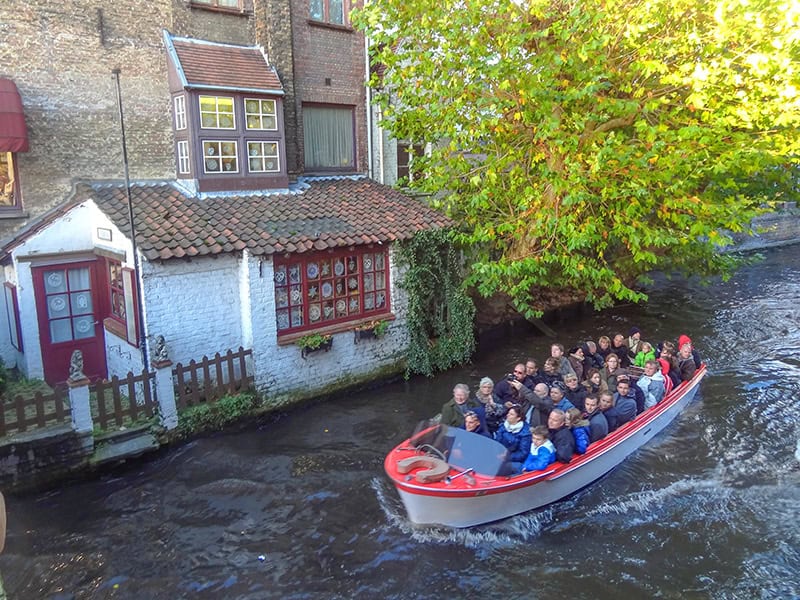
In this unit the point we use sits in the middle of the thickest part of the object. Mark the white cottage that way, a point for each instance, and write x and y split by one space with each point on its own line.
215 271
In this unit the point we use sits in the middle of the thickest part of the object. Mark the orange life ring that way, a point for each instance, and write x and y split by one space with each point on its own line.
435 468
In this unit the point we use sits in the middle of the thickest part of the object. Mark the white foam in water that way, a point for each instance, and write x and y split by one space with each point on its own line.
797 450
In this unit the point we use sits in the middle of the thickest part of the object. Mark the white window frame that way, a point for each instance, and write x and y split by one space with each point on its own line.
262 156
219 156
183 157
180 113
217 114
260 115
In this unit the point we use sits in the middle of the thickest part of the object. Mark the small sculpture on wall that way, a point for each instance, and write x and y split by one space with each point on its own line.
76 366
160 353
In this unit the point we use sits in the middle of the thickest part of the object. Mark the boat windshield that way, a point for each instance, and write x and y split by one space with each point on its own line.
462 449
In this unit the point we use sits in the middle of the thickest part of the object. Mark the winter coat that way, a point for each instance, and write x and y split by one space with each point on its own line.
565 368
577 397
687 368
577 365
518 444
493 415
598 426
539 410
612 418
564 442
564 404
540 457
580 431
626 408
653 388
508 393
643 357
453 415
622 353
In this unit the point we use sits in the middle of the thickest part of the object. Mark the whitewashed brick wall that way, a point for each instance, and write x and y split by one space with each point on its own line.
194 304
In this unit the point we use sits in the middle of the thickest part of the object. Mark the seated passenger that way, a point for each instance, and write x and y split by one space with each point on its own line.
494 411
591 359
532 373
543 453
575 359
550 372
580 429
611 371
625 401
696 355
557 395
598 425
646 353
473 423
575 392
594 383
561 436
634 342
512 389
652 384
515 435
669 366
686 362
564 366
619 348
453 410
606 400
541 405
603 348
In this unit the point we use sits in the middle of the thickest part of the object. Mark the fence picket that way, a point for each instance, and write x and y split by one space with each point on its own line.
243 370
207 390
117 401
231 372
193 379
22 422
102 413
133 405
148 396
39 405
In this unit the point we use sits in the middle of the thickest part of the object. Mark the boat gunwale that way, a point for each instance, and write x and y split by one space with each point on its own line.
504 484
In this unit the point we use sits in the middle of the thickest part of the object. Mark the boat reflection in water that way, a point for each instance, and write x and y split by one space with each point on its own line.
448 476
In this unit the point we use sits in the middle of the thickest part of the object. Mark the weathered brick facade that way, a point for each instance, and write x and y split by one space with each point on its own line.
61 56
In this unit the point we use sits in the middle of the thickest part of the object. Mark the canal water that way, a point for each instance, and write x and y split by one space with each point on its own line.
300 508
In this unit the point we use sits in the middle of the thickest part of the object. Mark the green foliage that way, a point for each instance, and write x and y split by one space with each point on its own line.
440 314
380 328
582 145
212 416
313 341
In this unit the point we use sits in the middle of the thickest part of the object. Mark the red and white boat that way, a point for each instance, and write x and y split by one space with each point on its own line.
448 476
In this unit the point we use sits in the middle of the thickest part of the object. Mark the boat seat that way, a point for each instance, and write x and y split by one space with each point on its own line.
435 468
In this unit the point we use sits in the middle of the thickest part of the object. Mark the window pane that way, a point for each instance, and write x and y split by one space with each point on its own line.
79 279
83 327
7 197
81 303
57 306
328 137
317 10
229 3
337 12
60 331
55 281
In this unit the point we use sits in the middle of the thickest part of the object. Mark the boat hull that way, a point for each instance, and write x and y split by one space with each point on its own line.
483 500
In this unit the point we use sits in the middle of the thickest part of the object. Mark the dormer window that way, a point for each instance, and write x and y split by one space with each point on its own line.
217 113
228 122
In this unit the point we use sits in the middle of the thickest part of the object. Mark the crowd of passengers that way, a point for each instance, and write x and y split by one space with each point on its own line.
577 398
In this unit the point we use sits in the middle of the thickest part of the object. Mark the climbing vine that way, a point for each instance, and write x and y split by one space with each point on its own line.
440 313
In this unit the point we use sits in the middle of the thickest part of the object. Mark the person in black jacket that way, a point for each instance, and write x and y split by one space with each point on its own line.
561 436
598 425
606 400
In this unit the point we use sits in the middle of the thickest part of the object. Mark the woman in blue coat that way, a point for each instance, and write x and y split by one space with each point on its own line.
515 435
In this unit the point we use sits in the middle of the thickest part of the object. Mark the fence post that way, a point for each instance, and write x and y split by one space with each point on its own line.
165 390
79 395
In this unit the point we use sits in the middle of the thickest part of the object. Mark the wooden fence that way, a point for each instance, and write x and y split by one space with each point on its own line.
111 406
42 410
211 379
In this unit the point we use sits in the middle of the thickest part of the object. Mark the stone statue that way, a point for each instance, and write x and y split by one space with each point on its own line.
160 349
76 366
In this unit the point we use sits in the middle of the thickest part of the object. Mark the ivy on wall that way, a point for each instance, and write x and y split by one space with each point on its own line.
440 313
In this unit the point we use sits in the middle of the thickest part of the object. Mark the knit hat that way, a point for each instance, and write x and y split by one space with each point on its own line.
684 339
633 331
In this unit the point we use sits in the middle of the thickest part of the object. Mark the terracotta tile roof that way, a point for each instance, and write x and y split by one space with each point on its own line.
329 213
207 64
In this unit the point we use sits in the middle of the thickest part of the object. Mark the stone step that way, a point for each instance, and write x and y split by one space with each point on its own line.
124 449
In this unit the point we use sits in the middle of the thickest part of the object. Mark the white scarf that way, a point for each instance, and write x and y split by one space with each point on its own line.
513 428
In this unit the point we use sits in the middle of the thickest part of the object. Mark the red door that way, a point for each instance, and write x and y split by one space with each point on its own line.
68 305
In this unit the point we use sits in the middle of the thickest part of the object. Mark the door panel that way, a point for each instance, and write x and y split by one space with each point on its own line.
67 303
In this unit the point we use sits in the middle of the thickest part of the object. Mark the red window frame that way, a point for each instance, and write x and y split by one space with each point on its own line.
116 291
122 308
309 295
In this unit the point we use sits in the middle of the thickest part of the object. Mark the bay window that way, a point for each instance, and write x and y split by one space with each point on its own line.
327 288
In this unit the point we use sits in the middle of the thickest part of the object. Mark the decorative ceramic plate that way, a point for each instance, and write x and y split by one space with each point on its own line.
367 264
338 268
280 276
283 320
83 325
352 283
327 289
312 270
58 304
55 280
211 164
313 313
341 306
295 296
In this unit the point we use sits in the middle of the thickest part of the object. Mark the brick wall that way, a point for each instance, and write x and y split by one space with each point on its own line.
336 54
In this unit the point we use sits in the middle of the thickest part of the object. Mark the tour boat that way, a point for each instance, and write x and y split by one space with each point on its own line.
451 477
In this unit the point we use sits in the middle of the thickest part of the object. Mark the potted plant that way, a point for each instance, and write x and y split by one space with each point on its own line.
314 342
371 329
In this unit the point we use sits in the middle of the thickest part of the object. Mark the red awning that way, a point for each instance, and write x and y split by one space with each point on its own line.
13 133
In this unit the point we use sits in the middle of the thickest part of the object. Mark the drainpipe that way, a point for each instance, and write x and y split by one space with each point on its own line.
369 106
136 269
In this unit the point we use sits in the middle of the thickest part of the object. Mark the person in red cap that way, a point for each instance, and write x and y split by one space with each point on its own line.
686 363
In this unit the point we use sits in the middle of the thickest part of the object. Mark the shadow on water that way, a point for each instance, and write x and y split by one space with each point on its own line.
300 508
